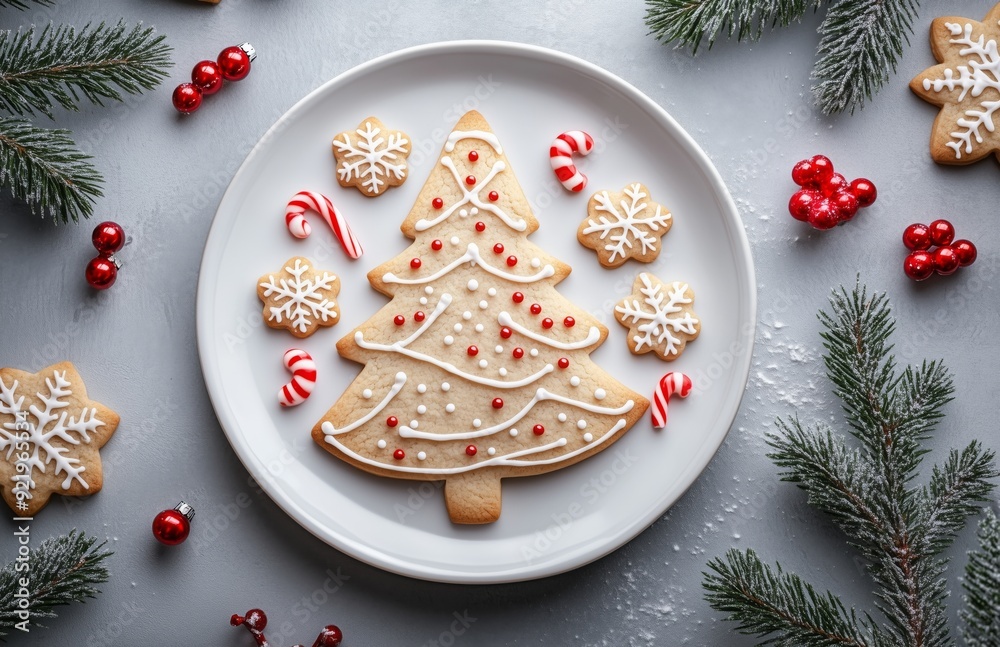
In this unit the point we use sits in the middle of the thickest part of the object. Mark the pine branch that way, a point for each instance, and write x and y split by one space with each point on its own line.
62 570
45 169
860 43
64 66
689 21
981 615
781 606
23 4
956 489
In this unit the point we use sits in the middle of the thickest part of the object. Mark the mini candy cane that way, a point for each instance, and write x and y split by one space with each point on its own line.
303 369
561 158
670 384
321 204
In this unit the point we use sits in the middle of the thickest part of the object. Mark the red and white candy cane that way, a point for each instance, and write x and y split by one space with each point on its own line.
670 384
303 369
561 158
297 225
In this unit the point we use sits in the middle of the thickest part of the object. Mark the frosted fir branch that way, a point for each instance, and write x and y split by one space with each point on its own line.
24 4
955 492
981 612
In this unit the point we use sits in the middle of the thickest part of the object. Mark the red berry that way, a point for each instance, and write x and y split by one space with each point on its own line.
437 203
480 226
518 353
942 232
546 323
864 191
392 421
186 98
399 320
436 245
471 450
399 454
803 172
823 214
563 362
493 196
823 168
846 204
415 263
498 248
535 309
919 265
511 261
538 430
965 251
234 63
836 182
418 316
798 206
506 332
473 156
917 236
472 351
470 179
945 260
569 322
517 297
497 403
207 76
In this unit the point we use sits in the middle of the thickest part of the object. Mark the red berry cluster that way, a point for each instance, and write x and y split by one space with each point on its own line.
827 199
233 64
949 255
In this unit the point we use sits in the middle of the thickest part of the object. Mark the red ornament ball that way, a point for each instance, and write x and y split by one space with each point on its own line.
493 196
823 168
437 203
498 248
506 332
517 297
965 251
511 261
563 362
480 226
399 320
108 237
331 636
172 527
823 214
101 273
208 76
518 353
833 184
470 180
846 203
798 206
942 232
471 450
436 245
399 454
945 260
538 430
917 237
472 351
473 156
864 190
919 265
187 98
234 63
535 309
418 316
569 322
392 421
546 323
803 173
497 403
415 263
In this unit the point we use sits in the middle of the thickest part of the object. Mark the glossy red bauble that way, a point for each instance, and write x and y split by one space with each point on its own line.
846 203
187 98
823 214
101 273
919 265
865 191
965 251
822 168
171 527
942 232
207 76
803 173
331 636
917 237
945 260
798 206
108 238
834 184
234 63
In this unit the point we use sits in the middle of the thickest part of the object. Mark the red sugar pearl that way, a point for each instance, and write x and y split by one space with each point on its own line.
399 320
470 179
472 351
497 403
506 332
399 454
473 156
563 362
511 261
418 316
437 203
493 196
480 226
535 309
538 430
569 322
392 421
546 323
471 449
498 248
517 297
415 263
518 353
436 245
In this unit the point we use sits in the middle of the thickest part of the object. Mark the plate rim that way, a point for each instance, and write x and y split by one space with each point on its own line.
375 557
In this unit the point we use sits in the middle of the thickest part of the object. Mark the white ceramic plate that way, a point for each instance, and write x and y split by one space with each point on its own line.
550 523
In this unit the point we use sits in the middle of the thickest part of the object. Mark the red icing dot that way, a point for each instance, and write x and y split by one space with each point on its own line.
506 332
497 403
472 351
399 320
494 196
415 263
392 421
546 323
569 322
517 297
518 353
563 362
538 430
418 316
511 261
437 203
498 248
470 179
536 309
473 156
436 245
471 449
480 226
399 454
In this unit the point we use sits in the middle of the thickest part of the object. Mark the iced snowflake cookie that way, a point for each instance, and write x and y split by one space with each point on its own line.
371 157
966 85
299 298
659 317
624 225
51 434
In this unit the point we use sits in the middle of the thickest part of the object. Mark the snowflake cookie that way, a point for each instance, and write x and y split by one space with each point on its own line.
624 225
299 298
659 317
966 85
51 434
371 158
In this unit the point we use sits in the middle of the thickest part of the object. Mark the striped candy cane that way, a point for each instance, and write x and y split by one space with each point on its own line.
297 225
561 158
303 369
670 384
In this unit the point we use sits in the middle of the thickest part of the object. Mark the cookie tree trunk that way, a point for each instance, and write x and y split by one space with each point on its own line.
478 369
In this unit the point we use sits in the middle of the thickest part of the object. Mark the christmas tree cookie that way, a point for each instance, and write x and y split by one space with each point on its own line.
477 369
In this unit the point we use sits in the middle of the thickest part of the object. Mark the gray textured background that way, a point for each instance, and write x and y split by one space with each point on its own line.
750 109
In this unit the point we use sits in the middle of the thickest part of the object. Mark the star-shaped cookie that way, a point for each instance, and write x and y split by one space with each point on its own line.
299 298
623 225
371 157
659 317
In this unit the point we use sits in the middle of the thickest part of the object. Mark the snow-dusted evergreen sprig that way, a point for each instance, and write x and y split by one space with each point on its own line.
981 614
861 41
63 570
900 529
24 4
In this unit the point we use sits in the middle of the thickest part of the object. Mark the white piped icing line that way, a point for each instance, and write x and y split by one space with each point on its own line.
504 319
397 386
473 256
458 135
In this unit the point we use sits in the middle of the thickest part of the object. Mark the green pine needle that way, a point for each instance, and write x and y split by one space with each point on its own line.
44 168
62 570
63 66
981 615
24 4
